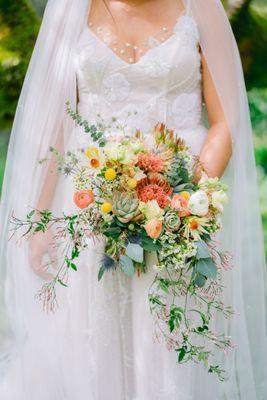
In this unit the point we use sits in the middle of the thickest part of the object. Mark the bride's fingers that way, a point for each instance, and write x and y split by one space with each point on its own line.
52 252
38 269
36 262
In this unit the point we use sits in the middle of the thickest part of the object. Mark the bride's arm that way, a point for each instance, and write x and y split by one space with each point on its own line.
217 148
42 243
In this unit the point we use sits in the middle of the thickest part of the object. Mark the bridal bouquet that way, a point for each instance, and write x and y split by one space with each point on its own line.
142 198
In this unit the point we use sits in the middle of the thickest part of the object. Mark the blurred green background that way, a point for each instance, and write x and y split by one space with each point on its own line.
19 24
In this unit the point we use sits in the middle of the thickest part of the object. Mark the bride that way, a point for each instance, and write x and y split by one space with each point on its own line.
146 61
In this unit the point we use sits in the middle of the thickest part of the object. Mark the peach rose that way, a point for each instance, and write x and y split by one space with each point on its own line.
153 228
83 198
179 202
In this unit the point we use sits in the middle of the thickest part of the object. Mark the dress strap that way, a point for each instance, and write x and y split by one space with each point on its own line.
187 7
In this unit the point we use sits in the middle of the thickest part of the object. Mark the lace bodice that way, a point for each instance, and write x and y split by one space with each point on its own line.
163 86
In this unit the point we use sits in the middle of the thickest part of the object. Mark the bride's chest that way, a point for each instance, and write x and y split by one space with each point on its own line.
173 64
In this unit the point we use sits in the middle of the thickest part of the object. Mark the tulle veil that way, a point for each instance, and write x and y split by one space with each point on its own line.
41 119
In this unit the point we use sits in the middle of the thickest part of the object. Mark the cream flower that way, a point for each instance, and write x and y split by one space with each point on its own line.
218 199
199 203
151 210
113 151
117 152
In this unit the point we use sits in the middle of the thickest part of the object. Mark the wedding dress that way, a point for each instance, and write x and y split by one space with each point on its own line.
99 343
111 354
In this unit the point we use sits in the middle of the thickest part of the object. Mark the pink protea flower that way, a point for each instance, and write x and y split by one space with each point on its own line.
151 162
154 187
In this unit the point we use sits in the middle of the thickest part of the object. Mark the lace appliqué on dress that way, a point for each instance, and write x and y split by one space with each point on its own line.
186 110
116 87
187 31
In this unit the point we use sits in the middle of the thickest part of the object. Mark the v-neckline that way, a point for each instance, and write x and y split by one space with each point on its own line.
128 64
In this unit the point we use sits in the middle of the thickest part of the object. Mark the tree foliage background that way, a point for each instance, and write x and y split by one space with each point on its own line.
19 24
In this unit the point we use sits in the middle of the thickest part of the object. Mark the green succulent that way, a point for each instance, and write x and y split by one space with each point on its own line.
172 221
177 173
126 207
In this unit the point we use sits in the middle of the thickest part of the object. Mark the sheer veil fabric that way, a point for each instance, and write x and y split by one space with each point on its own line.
41 122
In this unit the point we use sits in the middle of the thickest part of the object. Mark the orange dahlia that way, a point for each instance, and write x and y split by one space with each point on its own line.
154 187
151 162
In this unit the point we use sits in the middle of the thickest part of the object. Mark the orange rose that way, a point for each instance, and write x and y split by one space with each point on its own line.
83 198
179 202
153 228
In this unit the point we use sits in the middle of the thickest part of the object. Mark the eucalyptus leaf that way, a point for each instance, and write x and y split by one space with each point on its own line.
203 250
207 268
200 280
148 244
135 252
113 232
127 265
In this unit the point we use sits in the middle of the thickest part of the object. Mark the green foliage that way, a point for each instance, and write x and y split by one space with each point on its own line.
261 158
206 267
258 110
39 6
4 136
249 23
135 252
263 197
18 30
127 265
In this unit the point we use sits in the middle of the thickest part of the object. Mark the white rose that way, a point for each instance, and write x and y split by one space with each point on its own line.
151 210
218 199
113 151
199 203
127 156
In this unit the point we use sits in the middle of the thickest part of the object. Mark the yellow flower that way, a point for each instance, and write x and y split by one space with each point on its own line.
110 174
92 152
186 195
132 183
106 208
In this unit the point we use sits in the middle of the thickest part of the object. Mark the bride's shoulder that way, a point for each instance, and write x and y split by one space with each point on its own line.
187 25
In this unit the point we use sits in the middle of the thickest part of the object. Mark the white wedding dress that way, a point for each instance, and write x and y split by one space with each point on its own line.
99 343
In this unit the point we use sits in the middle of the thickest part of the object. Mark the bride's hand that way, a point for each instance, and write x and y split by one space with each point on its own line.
41 244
